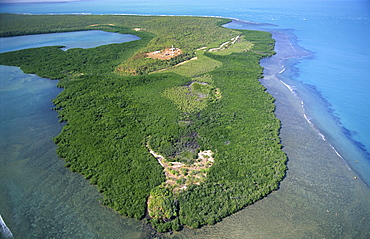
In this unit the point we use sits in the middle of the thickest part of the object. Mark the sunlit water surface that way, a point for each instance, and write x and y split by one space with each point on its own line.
39 197
321 98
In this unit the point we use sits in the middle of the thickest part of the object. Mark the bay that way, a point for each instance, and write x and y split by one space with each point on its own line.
335 32
80 39
40 198
323 60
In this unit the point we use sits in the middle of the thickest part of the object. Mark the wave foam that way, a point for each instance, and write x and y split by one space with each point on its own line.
289 87
313 125
5 231
280 72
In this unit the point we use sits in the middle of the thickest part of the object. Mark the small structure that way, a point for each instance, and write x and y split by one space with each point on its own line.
165 54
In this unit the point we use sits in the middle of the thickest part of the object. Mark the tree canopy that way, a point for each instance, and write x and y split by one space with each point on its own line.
120 107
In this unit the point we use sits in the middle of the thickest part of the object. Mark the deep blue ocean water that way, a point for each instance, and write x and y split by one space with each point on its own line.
328 71
332 80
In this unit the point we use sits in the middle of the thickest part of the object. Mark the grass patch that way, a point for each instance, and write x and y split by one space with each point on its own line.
201 89
192 98
184 99
242 45
193 68
206 78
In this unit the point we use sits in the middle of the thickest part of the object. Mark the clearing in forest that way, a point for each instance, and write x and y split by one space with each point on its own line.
180 175
165 54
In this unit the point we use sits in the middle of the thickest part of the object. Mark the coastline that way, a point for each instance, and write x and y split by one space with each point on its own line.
306 182
255 62
321 197
327 125
352 153
257 20
4 230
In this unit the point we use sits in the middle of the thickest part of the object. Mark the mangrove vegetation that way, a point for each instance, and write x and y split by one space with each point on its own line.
181 141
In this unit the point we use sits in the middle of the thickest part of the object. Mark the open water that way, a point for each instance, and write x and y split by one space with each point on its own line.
40 198
320 80
81 39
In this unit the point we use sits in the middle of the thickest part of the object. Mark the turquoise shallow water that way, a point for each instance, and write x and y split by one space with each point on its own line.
40 198
332 80
322 61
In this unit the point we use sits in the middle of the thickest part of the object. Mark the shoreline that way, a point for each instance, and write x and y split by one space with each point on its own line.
263 191
310 185
314 127
319 196
293 51
6 233
328 137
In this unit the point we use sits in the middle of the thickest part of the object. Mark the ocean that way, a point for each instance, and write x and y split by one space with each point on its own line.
319 79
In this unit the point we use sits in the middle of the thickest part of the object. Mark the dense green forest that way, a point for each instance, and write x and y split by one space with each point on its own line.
119 108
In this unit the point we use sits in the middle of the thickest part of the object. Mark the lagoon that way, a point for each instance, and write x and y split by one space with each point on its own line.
40 198
80 39
320 196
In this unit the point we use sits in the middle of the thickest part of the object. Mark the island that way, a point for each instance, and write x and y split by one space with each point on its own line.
175 128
